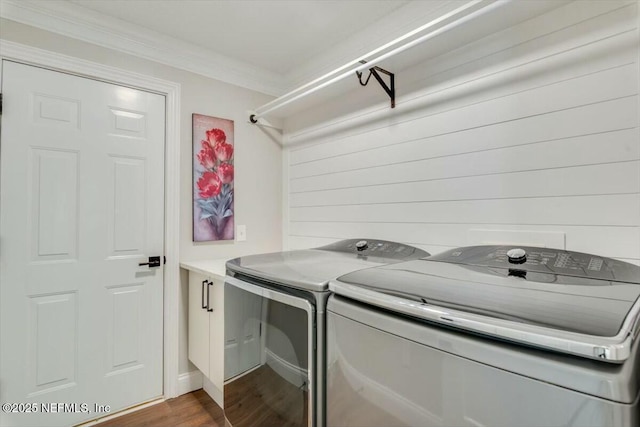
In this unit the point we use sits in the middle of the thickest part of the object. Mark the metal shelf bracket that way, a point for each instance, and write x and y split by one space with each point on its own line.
390 88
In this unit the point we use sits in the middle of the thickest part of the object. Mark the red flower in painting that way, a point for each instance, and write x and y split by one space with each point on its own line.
225 172
216 136
207 156
223 151
209 185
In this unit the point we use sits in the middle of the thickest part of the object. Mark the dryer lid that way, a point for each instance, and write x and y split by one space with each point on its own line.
311 269
535 297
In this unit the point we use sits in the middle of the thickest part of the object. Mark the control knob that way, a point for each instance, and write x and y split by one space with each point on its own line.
362 245
517 256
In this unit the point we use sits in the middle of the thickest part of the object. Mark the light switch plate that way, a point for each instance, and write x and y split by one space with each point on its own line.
241 233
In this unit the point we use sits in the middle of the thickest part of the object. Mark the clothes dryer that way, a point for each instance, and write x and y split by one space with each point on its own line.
275 328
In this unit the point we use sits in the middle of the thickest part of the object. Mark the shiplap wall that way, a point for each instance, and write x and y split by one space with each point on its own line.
532 129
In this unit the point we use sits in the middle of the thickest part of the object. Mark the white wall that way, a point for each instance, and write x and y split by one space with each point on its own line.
532 129
258 201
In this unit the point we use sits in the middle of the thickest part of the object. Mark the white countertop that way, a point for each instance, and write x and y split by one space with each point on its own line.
209 267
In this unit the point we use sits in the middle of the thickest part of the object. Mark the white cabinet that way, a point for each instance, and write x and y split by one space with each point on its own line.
198 323
206 327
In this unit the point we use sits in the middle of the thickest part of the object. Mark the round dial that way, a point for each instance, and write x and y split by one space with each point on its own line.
362 245
517 255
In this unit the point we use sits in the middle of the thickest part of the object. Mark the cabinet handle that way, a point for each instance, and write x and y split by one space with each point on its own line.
208 287
204 282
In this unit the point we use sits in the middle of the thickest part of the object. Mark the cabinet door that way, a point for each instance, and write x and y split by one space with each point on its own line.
198 323
216 334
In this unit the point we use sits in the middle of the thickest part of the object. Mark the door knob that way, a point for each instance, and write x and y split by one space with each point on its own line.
154 261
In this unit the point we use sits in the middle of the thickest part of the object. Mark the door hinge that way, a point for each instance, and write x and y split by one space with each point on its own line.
0 103
260 332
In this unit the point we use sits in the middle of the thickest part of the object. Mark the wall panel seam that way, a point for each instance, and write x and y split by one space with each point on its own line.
468 176
467 223
573 107
484 150
463 200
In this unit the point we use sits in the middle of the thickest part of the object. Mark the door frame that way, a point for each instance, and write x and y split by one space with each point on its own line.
171 90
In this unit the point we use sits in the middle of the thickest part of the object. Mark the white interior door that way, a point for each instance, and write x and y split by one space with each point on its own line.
82 203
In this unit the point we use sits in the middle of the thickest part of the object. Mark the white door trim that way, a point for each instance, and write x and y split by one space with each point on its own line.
171 90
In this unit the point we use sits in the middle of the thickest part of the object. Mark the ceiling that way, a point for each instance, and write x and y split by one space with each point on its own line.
275 35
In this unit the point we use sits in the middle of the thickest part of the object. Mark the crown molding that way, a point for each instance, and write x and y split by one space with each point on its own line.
83 24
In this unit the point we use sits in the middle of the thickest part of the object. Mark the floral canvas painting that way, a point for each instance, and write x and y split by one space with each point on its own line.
213 209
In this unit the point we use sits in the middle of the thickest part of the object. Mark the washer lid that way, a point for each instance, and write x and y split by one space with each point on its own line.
543 260
311 269
568 301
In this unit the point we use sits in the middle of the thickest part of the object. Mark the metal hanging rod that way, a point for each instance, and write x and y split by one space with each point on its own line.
456 17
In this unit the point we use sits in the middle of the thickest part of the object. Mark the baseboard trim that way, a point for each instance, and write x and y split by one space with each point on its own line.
189 381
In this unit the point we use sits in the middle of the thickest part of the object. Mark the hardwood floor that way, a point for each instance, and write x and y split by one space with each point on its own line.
252 399
263 398
194 409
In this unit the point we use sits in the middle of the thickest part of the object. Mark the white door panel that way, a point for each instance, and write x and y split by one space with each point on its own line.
82 204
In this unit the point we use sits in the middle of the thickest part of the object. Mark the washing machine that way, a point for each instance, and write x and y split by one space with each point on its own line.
275 328
486 336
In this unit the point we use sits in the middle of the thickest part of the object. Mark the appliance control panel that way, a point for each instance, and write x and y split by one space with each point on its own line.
543 260
377 248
